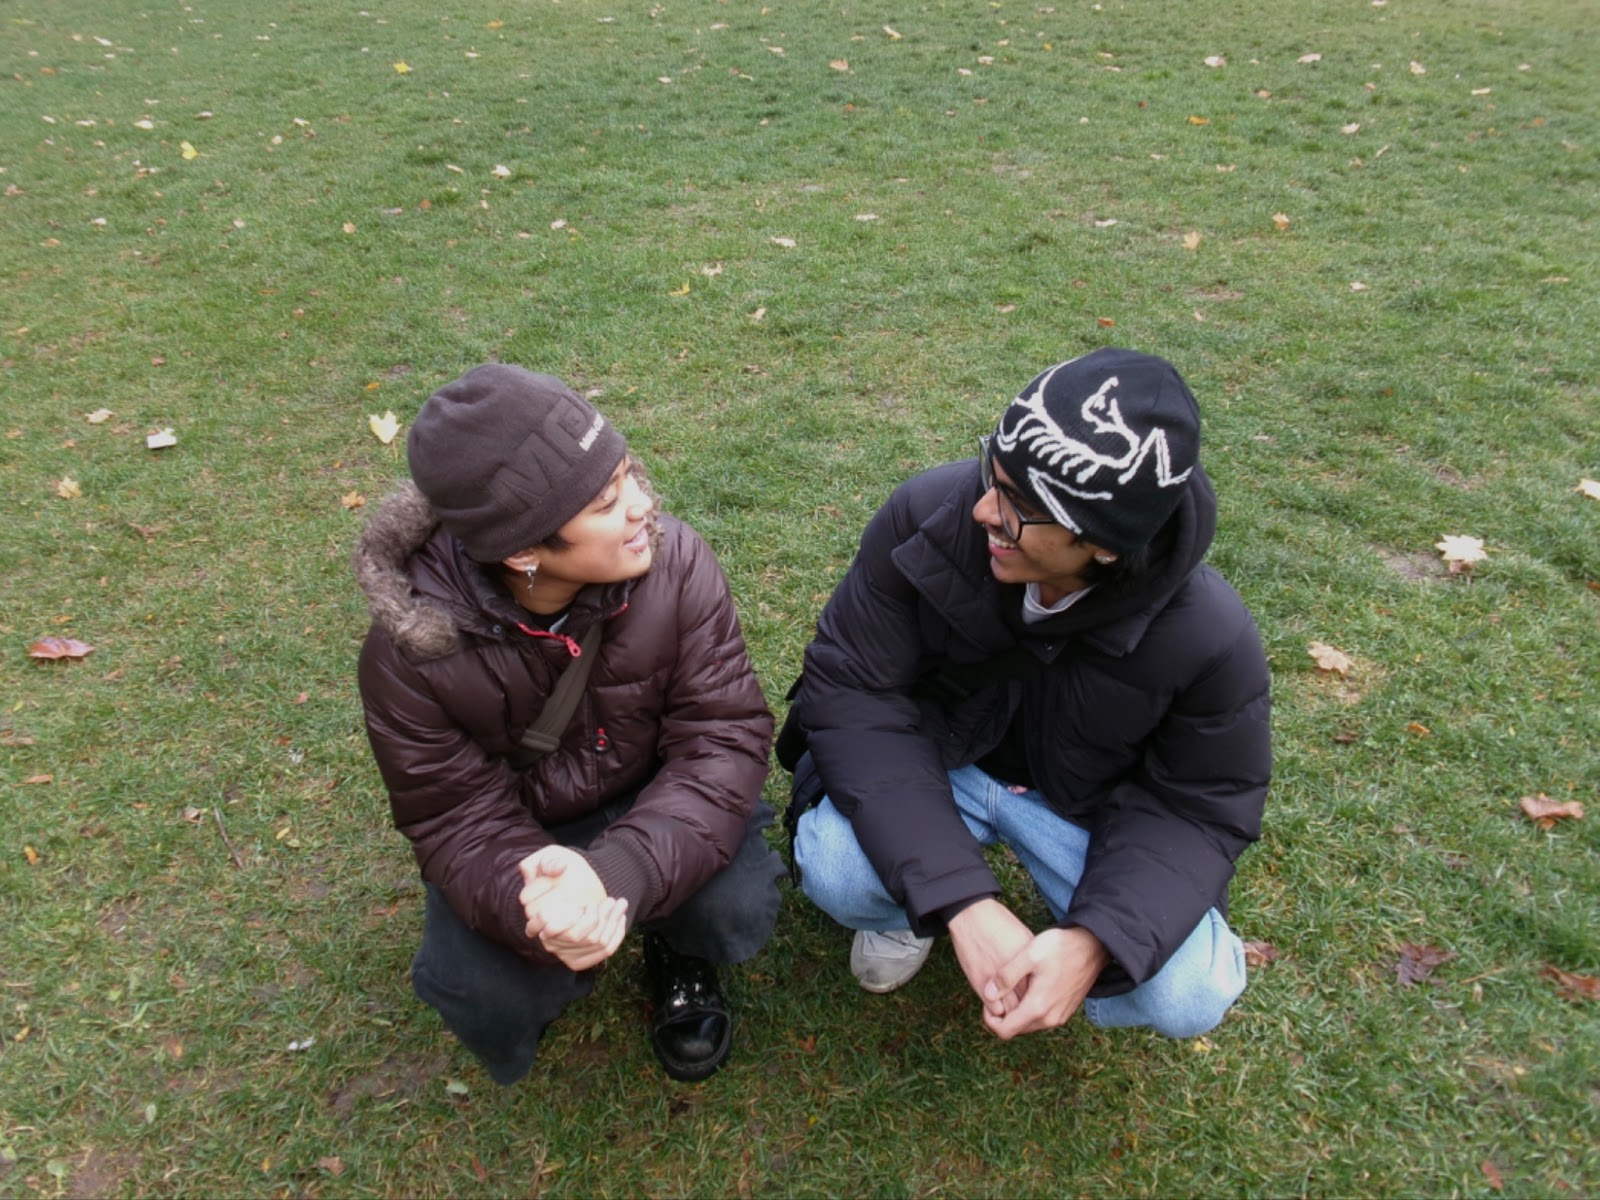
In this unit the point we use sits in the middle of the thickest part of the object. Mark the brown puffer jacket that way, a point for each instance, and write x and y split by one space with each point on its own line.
451 677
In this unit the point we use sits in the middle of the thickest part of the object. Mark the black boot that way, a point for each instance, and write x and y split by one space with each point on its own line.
690 1027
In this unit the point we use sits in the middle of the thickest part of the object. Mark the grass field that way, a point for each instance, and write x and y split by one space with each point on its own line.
798 252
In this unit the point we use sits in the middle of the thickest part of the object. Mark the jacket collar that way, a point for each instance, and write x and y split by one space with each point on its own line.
425 592
946 560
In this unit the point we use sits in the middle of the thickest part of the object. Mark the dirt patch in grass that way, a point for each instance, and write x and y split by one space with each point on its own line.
403 1076
101 1172
1415 567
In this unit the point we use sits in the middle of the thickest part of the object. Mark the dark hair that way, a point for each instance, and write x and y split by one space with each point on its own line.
1132 568
556 543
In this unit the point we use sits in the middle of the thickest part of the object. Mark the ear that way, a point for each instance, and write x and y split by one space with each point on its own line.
522 560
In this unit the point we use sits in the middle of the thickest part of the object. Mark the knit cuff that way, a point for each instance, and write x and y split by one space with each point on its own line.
626 872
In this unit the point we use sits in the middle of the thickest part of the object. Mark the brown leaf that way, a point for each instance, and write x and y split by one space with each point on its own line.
68 488
352 500
1546 811
1330 659
1572 987
31 855
1259 954
1417 962
59 647
332 1164
1492 1174
40 779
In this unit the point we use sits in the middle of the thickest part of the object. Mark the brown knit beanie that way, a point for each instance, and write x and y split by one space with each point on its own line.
507 457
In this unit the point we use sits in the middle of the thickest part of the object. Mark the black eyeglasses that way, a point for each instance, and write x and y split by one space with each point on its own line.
1012 518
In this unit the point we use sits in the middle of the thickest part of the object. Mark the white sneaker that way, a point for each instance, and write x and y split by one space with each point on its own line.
882 962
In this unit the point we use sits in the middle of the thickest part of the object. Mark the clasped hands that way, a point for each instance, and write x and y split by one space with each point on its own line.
1027 981
568 909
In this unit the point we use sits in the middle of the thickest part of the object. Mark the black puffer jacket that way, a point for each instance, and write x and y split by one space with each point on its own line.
450 680
1145 718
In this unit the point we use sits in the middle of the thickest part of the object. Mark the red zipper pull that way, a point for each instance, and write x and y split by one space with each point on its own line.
600 739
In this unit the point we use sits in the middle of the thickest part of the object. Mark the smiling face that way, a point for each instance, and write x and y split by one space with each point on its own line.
609 541
1042 552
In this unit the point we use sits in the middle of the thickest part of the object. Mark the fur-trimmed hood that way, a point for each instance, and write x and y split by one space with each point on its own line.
400 526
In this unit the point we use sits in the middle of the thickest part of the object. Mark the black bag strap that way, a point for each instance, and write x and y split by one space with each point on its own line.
544 735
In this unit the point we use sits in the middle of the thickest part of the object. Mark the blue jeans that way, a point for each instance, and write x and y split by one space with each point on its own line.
1187 997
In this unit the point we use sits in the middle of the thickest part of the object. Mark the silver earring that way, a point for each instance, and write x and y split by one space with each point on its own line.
1105 560
531 571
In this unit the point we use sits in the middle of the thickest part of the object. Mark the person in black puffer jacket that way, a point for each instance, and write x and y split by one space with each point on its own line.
528 533
1029 650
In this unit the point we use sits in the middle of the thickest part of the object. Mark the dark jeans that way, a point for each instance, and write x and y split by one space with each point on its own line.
499 1004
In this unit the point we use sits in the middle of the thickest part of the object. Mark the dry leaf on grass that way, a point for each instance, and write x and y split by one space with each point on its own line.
1329 659
352 500
1259 954
1417 963
1281 220
1589 488
1573 987
1191 240
59 647
1545 812
68 488
1461 552
384 428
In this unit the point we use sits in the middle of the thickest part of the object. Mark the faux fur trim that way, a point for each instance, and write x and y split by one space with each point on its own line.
401 524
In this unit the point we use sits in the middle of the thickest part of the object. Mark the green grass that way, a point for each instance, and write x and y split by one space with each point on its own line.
210 876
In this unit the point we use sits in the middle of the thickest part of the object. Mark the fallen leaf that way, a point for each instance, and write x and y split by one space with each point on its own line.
711 270
866 216
1353 127
839 64
332 1164
1104 322
456 1088
1492 1174
1589 488
352 500
384 428
99 416
1545 812
1573 987
1418 729
1216 60
1417 68
759 314
1329 659
1417 963
1106 224
1191 240
59 647
1309 58
1281 221
40 779
1259 954
1358 286
348 227
160 439
1193 120
32 856
67 488
1482 91
187 150
401 68
501 171
893 35
1460 552
786 242
680 291
144 124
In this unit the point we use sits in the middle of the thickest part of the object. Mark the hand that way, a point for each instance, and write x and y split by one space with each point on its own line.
584 936
986 936
568 909
1045 984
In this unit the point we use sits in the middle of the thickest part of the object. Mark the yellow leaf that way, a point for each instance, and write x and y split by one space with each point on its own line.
349 227
401 68
383 428
68 488
352 500
1330 659
493 25
187 150
1193 120
840 64
1281 220
682 291
1589 488
31 855
1191 240
893 36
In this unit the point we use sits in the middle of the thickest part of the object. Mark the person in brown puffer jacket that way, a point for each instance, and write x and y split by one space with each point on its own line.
527 524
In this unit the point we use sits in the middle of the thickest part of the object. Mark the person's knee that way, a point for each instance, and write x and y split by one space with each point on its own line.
823 842
1198 1000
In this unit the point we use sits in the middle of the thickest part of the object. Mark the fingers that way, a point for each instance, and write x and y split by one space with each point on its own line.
581 937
